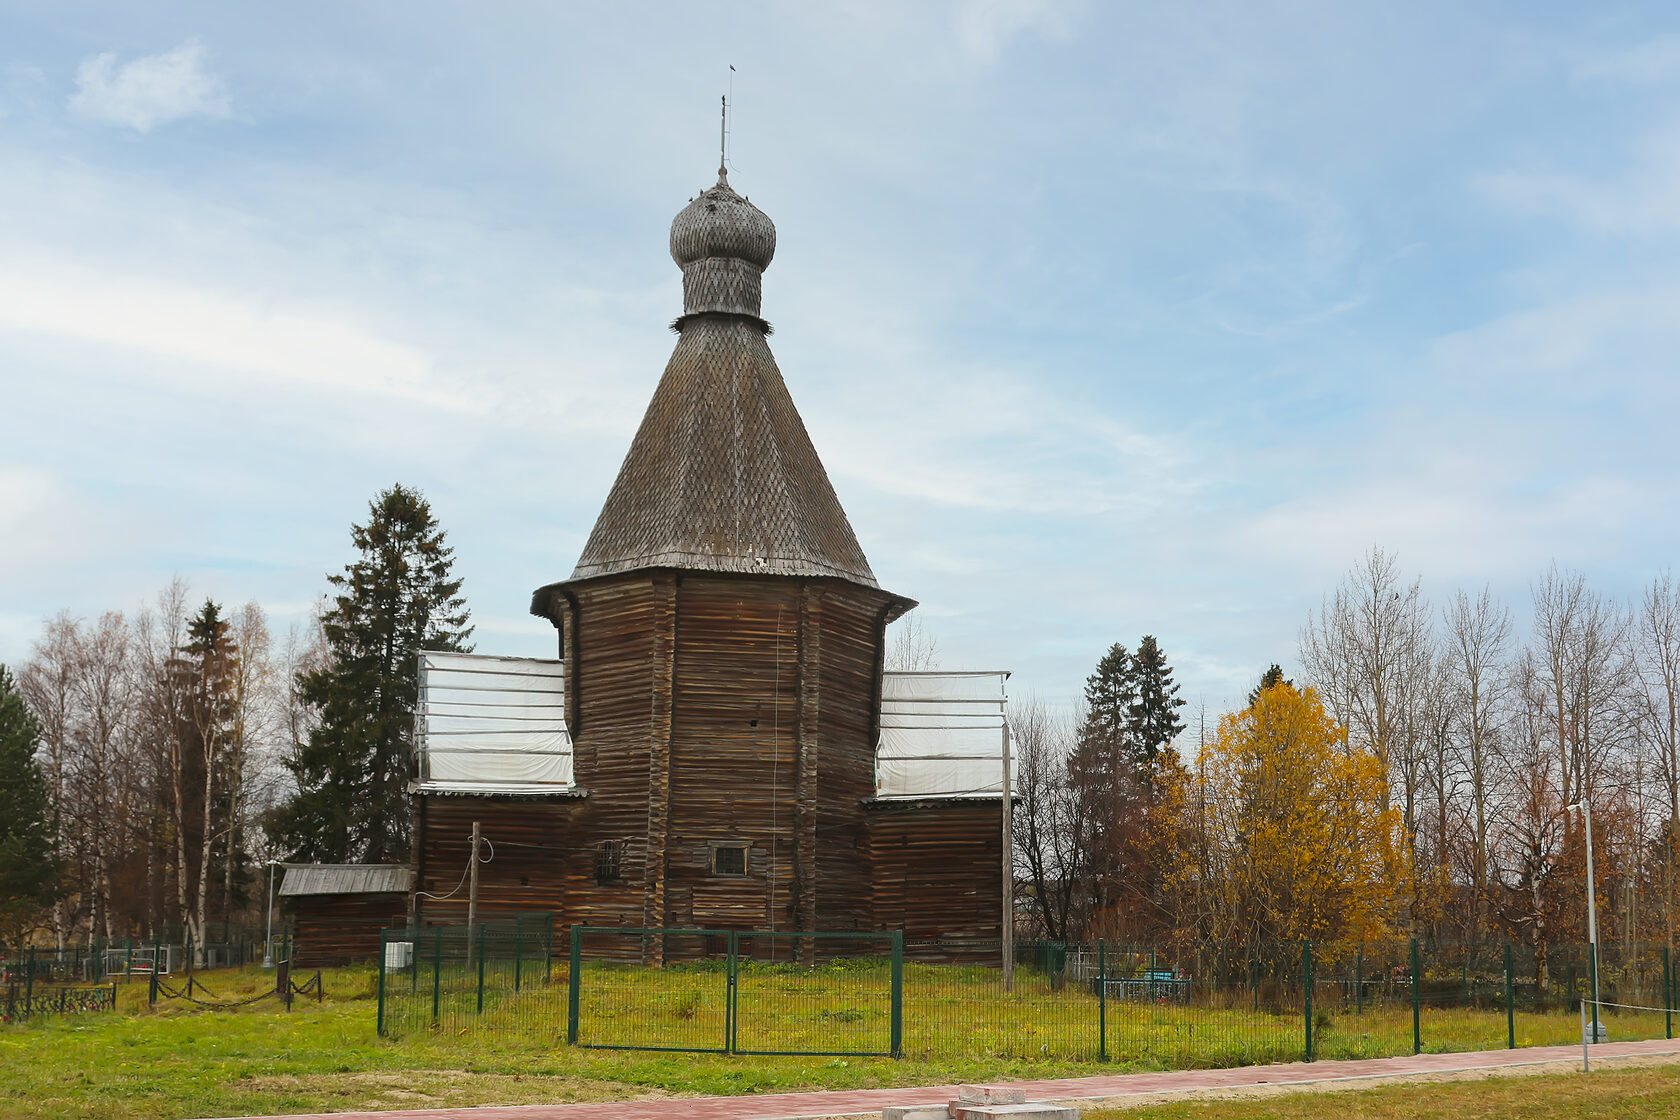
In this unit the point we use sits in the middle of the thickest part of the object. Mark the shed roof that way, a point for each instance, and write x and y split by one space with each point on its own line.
345 878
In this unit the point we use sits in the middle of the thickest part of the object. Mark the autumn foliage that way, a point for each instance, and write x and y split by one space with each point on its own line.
1289 833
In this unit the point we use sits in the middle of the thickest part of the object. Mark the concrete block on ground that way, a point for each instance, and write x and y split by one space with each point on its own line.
916 1112
1028 1111
990 1094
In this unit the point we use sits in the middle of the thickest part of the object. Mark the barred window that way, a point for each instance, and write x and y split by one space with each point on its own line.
609 861
729 859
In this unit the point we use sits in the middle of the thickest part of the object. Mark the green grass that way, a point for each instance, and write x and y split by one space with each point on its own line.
176 1061
1650 1093
951 1013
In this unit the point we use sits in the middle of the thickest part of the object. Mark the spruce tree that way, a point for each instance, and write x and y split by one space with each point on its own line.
399 597
1099 756
29 873
1152 719
1101 777
1271 678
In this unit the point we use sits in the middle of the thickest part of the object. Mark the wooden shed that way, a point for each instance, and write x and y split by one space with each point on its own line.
719 679
339 909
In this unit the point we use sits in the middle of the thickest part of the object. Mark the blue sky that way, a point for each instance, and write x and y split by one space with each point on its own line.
1107 319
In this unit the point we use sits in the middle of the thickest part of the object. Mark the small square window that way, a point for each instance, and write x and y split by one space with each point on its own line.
729 859
609 861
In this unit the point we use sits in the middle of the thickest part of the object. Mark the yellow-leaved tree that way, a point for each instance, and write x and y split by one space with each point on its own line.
1296 840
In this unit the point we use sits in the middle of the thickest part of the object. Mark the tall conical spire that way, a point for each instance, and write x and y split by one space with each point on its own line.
722 475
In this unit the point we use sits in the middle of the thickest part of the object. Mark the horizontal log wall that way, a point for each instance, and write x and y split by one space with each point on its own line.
337 929
853 632
938 868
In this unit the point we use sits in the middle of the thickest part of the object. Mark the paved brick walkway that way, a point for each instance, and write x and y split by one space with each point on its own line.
792 1106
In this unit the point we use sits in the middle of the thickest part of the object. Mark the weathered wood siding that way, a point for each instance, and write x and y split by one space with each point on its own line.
338 929
854 625
937 868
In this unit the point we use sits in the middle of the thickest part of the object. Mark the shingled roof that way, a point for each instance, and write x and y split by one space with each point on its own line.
722 475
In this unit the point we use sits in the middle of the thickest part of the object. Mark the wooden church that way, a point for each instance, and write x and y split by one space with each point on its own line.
718 744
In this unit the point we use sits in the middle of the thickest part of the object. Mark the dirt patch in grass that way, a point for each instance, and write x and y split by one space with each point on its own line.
438 1088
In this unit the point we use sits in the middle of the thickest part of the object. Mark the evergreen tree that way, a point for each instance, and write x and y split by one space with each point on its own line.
1271 678
29 874
399 597
1152 718
1099 759
1104 784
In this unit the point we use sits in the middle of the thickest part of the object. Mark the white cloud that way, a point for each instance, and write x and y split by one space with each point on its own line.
1467 519
151 90
1587 345
985 27
214 330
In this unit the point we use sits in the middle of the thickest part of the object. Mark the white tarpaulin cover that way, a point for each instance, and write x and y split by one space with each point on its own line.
941 735
493 725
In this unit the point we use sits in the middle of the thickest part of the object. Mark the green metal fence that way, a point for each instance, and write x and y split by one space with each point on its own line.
1181 1006
497 975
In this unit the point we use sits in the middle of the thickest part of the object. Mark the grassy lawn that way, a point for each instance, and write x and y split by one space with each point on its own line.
1651 1093
176 1061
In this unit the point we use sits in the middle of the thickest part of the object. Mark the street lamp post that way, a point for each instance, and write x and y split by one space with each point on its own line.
268 939
1592 914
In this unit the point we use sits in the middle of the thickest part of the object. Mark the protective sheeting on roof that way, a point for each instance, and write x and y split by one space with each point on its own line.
941 735
345 878
492 725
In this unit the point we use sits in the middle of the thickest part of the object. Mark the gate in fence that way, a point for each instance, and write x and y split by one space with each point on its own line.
736 992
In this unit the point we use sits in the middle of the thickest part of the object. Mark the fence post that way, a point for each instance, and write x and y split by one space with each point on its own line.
518 948
1254 979
1306 991
1359 981
29 980
1510 1008
437 970
898 993
574 977
1102 1001
731 989
157 964
1668 995
379 1023
481 968
1417 1024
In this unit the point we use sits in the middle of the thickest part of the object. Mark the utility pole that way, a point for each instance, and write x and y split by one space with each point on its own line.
472 883
1008 864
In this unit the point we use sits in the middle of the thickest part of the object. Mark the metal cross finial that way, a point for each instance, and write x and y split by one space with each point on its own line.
723 138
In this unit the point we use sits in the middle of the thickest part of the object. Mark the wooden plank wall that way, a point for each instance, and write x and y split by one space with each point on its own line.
734 775
339 929
937 868
853 623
